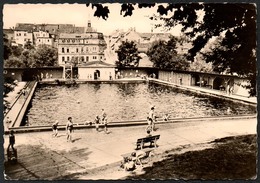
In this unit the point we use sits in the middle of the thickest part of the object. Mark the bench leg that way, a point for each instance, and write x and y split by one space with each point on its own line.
142 145
155 145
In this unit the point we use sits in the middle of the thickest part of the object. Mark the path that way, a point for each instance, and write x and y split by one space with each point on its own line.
42 157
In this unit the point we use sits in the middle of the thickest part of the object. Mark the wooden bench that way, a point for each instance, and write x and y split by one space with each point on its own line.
142 141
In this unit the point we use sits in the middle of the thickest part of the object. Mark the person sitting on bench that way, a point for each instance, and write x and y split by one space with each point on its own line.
138 155
148 133
129 164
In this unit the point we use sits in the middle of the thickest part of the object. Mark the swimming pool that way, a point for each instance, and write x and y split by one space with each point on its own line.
123 102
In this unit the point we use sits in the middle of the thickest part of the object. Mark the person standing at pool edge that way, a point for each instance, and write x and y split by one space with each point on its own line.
104 120
151 118
11 141
55 128
69 128
96 121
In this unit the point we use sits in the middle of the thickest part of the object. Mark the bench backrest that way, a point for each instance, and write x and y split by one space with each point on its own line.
148 139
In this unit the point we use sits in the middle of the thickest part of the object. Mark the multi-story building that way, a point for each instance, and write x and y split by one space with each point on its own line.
41 33
22 36
143 40
9 33
42 37
80 48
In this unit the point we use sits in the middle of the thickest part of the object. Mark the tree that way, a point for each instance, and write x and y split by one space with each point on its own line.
9 85
28 45
17 50
236 20
7 48
13 62
200 65
127 54
164 55
27 57
45 56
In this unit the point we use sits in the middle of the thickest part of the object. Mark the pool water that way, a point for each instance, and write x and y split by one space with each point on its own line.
123 102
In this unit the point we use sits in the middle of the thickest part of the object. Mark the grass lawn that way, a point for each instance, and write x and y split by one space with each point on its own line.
230 158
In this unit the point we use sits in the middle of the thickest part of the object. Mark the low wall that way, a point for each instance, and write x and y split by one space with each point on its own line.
21 106
25 129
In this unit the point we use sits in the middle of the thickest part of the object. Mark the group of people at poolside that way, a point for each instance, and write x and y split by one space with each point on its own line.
99 119
102 119
151 119
131 162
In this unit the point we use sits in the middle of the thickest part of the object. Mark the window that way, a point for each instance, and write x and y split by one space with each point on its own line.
77 50
39 40
68 58
62 50
68 50
24 34
63 59
87 58
94 57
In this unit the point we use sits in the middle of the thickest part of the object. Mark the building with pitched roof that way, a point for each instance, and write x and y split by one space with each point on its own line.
96 70
78 48
22 36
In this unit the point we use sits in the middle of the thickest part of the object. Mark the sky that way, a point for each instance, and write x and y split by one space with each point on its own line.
79 14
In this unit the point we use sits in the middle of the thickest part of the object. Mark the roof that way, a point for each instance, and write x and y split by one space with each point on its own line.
145 61
96 64
8 31
73 35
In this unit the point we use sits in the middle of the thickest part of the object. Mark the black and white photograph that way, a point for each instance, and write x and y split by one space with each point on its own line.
129 91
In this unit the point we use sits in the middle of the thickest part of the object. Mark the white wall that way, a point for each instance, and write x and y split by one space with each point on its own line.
85 73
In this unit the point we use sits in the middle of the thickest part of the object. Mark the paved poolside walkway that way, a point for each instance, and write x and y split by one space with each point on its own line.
205 90
40 156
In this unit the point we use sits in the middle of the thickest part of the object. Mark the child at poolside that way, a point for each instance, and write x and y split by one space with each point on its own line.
11 141
129 164
55 128
97 121
104 120
166 117
69 128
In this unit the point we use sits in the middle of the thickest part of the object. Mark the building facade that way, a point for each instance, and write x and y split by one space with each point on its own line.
42 37
96 70
22 36
207 80
79 48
